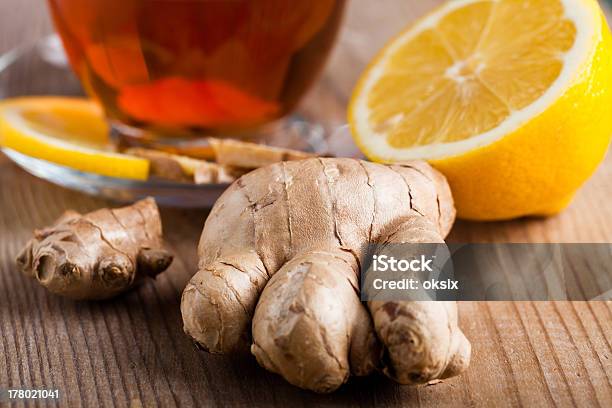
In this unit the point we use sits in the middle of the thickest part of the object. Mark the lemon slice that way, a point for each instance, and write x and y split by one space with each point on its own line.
66 131
510 99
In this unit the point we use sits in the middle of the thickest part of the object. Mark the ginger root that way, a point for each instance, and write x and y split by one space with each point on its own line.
279 273
97 255
186 169
232 158
236 153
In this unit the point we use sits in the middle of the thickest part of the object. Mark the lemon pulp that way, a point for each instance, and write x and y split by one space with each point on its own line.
510 99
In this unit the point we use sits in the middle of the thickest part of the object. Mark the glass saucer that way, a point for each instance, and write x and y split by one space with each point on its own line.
41 68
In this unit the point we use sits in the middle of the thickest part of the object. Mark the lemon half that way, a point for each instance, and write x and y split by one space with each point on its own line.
510 99
67 131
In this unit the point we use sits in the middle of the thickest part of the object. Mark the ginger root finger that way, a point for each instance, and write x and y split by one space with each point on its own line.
216 314
422 340
224 292
97 255
315 296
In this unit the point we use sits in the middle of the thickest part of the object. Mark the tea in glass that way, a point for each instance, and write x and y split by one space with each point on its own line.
197 66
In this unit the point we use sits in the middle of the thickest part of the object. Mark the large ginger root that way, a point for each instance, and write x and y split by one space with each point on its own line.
279 272
97 255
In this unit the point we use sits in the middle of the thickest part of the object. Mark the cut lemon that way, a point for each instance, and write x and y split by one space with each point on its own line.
510 99
66 131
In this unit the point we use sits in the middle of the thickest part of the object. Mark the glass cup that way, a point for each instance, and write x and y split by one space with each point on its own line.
174 70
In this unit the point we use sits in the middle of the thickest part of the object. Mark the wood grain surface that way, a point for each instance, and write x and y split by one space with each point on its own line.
132 351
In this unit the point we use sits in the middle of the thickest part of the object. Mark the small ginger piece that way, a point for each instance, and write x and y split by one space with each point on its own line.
279 273
185 169
213 173
248 155
97 255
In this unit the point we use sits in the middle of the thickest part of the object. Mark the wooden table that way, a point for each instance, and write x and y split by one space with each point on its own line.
132 351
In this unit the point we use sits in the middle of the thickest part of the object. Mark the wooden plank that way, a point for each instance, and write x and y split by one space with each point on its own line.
132 350
130 346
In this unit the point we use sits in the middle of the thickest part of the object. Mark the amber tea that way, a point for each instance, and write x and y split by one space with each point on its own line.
204 65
